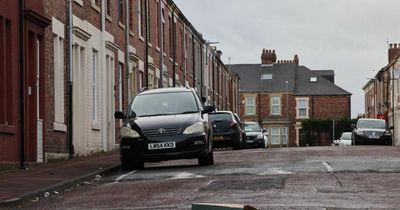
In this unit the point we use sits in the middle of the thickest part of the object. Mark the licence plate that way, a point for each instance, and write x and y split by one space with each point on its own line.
249 141
373 137
218 138
162 145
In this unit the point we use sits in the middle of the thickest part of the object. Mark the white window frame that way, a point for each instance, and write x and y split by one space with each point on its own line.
284 135
95 102
307 107
278 105
275 133
120 70
59 121
266 76
248 106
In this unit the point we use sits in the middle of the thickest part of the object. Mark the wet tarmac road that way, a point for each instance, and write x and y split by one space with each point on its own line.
280 178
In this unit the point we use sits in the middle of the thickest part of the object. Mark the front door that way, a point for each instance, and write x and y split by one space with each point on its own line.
34 123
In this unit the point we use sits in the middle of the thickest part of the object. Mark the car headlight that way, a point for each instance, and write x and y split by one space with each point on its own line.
128 133
360 133
195 128
260 136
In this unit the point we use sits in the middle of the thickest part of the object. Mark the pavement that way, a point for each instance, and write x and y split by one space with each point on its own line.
39 181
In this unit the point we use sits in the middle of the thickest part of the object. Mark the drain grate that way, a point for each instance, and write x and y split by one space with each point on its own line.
249 185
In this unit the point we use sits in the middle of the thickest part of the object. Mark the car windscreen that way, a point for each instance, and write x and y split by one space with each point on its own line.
220 117
164 104
380 124
252 128
346 136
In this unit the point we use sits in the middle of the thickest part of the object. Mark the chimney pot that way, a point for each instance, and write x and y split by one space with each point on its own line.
395 45
273 51
390 45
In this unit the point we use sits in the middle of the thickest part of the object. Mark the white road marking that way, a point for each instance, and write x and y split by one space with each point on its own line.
123 176
186 175
275 171
327 166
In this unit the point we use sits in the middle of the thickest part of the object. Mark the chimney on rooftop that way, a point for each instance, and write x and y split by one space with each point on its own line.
393 52
296 60
268 56
219 54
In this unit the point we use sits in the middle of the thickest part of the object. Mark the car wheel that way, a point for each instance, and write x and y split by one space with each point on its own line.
206 159
138 165
126 165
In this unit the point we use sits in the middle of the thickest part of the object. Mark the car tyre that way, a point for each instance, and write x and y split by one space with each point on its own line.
138 165
126 165
206 159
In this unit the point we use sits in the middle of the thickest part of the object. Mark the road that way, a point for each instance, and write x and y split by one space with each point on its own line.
280 178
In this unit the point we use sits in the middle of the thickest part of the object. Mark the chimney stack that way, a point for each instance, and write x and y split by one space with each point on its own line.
296 60
268 56
393 52
219 54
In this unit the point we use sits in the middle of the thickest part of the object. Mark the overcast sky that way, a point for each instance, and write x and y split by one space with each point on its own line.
348 36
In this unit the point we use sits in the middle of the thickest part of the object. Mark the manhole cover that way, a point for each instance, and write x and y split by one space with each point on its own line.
253 185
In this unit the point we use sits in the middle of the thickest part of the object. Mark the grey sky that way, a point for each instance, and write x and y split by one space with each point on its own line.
348 36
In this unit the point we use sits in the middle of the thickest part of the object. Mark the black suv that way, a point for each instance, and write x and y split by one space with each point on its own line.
164 124
371 131
228 130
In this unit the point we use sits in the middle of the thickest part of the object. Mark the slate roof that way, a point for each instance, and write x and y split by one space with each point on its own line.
298 78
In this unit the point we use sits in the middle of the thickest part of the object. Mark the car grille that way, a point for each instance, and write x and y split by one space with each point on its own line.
250 137
165 132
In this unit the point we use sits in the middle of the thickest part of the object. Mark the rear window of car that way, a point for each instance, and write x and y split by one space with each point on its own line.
252 128
380 124
346 136
220 117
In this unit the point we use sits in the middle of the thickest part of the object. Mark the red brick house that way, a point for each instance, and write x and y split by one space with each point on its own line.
281 94
22 67
76 76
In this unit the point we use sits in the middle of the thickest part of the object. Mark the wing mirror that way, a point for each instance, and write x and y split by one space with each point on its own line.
208 109
119 115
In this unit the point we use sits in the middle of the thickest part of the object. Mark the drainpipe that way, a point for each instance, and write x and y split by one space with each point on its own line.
103 64
259 107
393 133
127 29
21 84
174 50
146 44
70 80
213 79
194 63
201 70
161 38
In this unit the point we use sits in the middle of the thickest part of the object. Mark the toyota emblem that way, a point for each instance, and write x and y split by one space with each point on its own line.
161 130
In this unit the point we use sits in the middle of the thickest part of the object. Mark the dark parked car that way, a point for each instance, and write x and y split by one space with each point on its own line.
371 131
255 135
228 130
165 124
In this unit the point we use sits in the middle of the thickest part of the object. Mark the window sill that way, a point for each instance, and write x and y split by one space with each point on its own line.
95 7
79 2
95 126
8 129
141 38
59 127
149 44
131 33
170 59
109 18
121 25
158 49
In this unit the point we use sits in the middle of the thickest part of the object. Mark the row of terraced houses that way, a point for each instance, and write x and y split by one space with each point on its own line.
67 65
